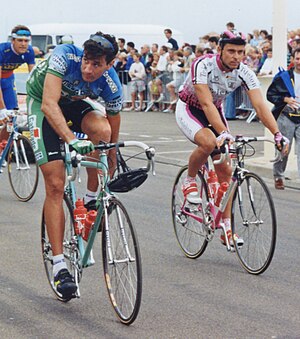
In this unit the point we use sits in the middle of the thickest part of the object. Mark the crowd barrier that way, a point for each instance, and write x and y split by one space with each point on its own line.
241 101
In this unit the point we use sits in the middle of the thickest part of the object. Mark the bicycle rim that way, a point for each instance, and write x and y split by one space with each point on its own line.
122 264
23 171
70 251
254 220
190 233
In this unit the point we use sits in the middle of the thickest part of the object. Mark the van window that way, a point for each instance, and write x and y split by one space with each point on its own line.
41 41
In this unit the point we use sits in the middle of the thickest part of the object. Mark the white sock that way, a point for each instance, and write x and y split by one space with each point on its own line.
89 196
58 263
227 223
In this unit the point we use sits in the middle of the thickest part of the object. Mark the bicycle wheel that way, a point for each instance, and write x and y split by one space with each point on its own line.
23 171
190 233
254 220
122 263
70 250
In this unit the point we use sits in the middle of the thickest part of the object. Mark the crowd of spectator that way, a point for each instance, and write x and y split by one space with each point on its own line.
166 66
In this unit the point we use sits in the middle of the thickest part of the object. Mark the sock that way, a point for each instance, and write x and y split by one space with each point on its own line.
89 196
227 223
188 178
58 263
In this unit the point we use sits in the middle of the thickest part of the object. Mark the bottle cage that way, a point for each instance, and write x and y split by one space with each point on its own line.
126 178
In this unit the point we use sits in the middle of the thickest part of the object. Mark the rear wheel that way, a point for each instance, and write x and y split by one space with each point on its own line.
23 171
70 249
190 233
254 220
122 263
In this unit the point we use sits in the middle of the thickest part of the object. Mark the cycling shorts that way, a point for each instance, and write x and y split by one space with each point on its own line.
45 142
191 120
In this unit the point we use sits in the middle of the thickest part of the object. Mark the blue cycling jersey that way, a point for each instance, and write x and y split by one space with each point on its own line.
65 62
9 61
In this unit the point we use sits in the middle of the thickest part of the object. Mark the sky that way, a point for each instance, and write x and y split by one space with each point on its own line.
193 18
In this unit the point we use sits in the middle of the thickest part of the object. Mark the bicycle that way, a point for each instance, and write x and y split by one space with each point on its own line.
253 216
120 250
18 155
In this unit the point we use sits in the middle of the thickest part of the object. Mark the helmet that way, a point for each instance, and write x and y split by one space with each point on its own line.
232 37
66 39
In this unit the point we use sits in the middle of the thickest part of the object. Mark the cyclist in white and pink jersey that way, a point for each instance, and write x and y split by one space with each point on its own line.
199 112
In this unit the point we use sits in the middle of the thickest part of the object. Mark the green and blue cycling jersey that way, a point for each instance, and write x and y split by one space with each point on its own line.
65 62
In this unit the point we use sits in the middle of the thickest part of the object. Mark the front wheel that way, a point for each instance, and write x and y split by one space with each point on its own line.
23 171
70 250
190 230
254 220
121 262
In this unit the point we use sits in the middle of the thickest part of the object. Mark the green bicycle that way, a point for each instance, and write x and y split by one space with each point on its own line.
120 250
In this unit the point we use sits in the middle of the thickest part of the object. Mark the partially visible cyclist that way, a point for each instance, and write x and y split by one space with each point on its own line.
200 117
12 55
61 93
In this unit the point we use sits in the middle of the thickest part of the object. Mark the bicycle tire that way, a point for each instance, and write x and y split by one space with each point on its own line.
123 276
70 251
23 179
254 220
190 233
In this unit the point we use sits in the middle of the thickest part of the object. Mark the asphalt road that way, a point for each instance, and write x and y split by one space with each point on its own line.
210 297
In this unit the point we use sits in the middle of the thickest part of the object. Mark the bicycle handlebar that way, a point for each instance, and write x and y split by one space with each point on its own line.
149 151
239 139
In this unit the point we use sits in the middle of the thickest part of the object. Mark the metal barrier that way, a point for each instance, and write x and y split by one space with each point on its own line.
241 99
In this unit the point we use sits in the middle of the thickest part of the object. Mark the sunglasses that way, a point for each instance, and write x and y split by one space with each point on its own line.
102 42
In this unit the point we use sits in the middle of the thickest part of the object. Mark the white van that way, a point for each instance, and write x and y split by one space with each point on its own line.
44 35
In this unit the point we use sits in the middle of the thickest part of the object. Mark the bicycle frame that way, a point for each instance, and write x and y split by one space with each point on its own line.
85 250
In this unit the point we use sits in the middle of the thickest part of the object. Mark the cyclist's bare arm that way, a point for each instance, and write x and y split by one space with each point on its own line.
212 114
114 121
51 109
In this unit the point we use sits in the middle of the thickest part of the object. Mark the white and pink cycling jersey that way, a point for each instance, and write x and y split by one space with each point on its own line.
208 70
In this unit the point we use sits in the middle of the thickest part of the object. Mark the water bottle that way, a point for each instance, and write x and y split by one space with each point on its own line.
79 213
221 191
89 223
213 183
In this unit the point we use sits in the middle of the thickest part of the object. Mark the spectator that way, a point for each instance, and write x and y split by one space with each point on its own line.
168 34
137 74
230 26
204 41
120 67
175 67
188 57
121 44
145 51
285 95
256 38
213 43
199 51
154 48
252 58
130 51
267 66
264 48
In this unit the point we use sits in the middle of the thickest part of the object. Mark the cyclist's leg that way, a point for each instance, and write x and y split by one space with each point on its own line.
46 146
193 126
